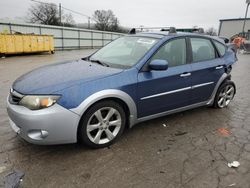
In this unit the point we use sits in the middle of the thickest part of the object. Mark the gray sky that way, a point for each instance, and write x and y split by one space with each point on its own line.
133 13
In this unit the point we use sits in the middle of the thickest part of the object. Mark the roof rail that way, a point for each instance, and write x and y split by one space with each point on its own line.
172 30
164 29
132 31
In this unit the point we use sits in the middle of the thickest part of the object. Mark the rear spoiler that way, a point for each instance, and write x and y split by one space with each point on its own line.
233 47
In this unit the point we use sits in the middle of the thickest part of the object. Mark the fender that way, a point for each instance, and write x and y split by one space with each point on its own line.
221 80
109 93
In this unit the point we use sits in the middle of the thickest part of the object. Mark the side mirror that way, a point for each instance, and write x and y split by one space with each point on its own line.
158 65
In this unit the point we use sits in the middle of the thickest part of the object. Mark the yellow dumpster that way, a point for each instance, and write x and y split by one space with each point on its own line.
25 43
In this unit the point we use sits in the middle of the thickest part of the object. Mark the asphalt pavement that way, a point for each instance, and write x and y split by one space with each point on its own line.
188 149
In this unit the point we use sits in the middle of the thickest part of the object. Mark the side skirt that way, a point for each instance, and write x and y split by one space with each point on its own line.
205 103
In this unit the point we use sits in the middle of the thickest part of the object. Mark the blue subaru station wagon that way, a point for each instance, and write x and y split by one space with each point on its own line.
132 79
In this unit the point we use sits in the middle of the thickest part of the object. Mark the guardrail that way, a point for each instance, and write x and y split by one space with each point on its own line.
64 37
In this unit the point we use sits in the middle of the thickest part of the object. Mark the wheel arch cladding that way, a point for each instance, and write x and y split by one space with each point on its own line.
118 101
111 94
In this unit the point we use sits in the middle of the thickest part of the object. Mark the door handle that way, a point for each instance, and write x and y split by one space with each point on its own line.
219 67
185 74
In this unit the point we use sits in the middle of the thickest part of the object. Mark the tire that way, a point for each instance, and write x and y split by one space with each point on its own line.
2 55
225 94
102 124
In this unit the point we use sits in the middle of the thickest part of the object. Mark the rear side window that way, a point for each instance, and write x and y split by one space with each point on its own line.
174 52
202 49
220 47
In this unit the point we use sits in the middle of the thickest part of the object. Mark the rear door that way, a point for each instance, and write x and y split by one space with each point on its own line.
207 68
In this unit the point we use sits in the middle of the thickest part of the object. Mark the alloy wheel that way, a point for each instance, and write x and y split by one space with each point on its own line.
226 95
104 125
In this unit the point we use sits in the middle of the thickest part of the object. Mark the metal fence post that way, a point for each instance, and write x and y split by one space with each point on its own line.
62 39
102 39
79 39
92 42
40 30
111 37
10 28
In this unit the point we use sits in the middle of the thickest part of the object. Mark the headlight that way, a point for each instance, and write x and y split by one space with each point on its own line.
38 102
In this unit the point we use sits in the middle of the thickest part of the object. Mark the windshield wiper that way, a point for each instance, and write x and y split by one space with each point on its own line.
99 62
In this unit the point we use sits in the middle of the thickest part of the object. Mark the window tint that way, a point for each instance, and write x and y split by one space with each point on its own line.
202 49
220 47
174 52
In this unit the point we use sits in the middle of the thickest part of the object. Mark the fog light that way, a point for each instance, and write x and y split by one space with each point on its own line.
38 134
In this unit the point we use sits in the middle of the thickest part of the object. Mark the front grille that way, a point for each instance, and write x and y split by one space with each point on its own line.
15 97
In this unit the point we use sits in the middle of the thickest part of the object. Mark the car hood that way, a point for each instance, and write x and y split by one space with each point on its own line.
52 78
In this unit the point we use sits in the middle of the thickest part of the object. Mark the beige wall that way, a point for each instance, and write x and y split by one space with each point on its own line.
230 28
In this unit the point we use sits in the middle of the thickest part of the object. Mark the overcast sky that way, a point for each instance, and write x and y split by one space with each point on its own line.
154 13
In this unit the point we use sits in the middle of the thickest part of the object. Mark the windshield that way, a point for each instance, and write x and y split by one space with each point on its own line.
124 52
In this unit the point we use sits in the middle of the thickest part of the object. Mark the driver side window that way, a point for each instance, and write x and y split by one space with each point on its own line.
173 51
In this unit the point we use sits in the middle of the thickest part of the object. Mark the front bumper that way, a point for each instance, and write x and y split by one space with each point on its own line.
53 125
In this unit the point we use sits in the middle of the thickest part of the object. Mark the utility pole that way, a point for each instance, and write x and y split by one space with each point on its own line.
60 13
244 24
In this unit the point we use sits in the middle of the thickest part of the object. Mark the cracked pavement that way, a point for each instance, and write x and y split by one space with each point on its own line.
188 151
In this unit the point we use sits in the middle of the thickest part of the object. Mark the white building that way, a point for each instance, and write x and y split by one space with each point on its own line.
230 27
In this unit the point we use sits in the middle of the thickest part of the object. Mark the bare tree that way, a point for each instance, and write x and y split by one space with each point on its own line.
68 20
106 20
44 14
48 14
211 31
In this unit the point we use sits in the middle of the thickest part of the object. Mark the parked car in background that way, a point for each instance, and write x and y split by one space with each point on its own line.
132 79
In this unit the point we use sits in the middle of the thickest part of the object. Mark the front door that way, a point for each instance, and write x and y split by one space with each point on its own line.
160 91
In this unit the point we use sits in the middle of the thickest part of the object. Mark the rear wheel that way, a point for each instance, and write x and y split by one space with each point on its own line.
225 94
103 123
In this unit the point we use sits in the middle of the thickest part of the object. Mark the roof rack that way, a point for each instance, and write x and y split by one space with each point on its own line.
132 31
171 30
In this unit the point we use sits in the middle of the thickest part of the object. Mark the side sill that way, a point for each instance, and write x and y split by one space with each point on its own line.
171 112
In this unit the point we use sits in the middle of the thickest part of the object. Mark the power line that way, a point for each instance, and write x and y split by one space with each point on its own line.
60 12
76 12
89 18
52 4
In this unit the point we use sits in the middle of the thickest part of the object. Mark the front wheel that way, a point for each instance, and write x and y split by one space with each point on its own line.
102 124
225 94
